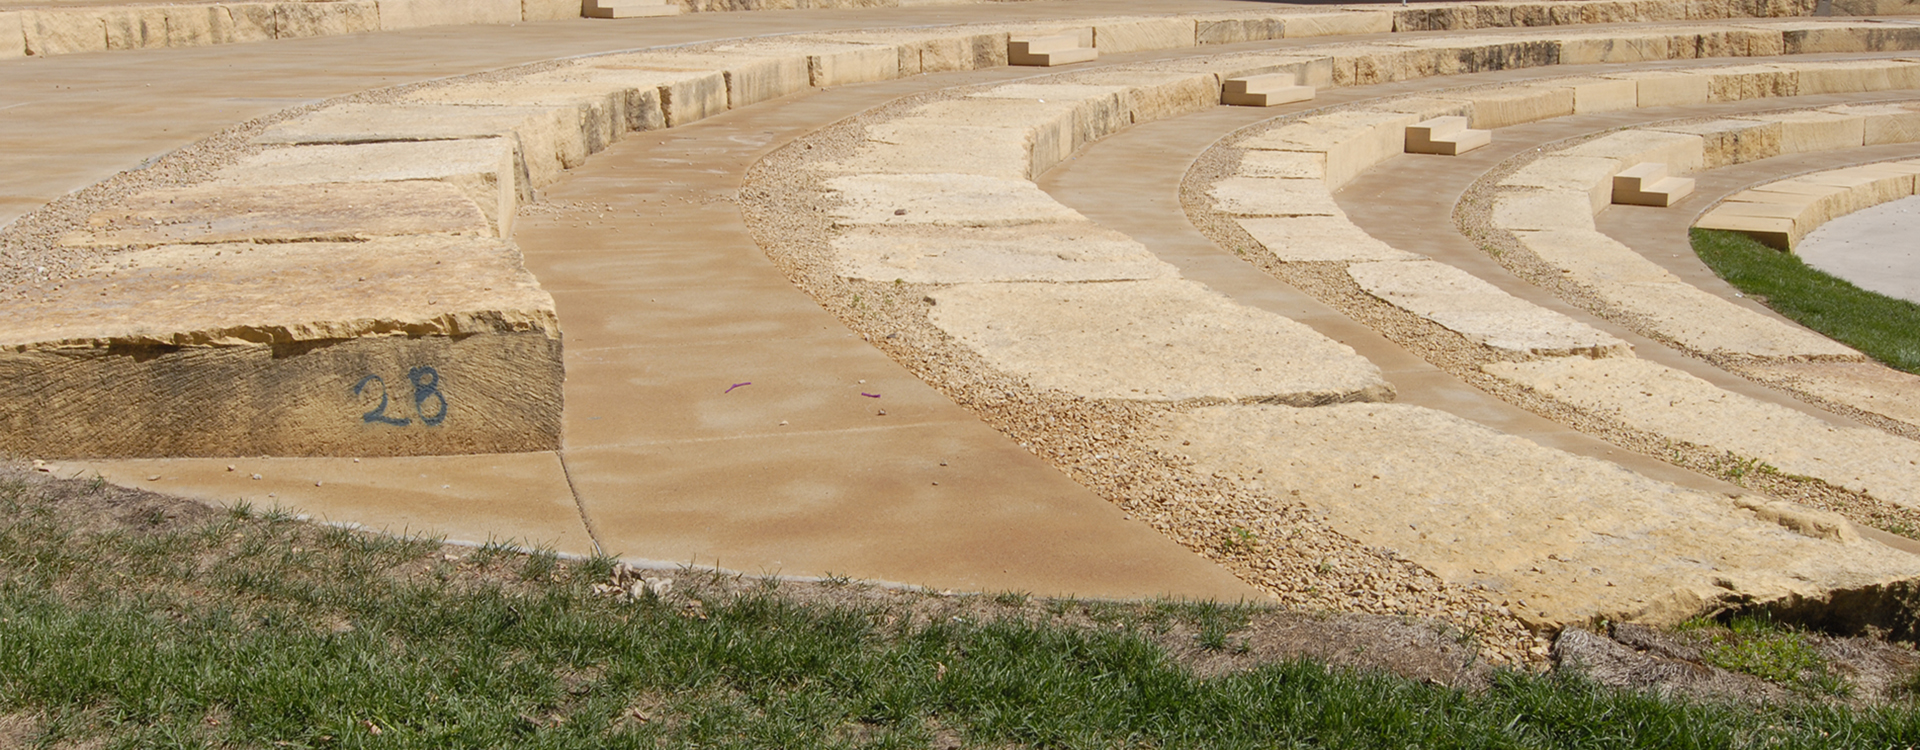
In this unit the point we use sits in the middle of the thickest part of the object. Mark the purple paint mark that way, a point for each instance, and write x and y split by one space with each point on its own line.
870 395
735 385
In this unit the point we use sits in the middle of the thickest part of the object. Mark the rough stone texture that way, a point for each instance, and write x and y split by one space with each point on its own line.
1513 105
1284 164
1155 95
1854 76
599 112
333 212
1682 153
1543 210
1214 30
64 31
13 35
549 10
134 27
750 78
248 349
1337 24
1561 539
1307 70
1602 94
1587 255
1319 238
549 139
926 145
1742 82
1661 88
1803 132
1703 322
1481 312
1867 386
1590 174
1050 124
1034 252
849 64
1885 123
1727 142
1164 340
1425 108
952 200
1627 47
1811 38
332 18
407 14
1098 111
1263 196
1144 34
482 168
1674 404
1353 141
680 97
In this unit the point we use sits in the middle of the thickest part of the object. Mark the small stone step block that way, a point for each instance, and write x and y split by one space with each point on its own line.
1048 51
1445 136
1647 184
1268 90
630 8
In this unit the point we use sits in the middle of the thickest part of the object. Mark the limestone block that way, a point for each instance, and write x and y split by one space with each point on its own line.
1574 538
1601 94
1813 39
1553 13
1597 48
1738 42
1161 340
64 31
1473 55
1885 123
751 78
947 200
547 139
1681 152
1481 312
1319 238
1590 174
13 35
1353 140
326 212
1157 96
252 22
853 64
1662 88
1742 82
684 96
923 145
1807 208
407 14
1876 7
1866 186
1098 111
332 18
1513 105
1774 232
1856 76
1263 196
1143 34
1727 142
600 112
548 10
198 25
1589 257
1337 24
932 50
135 27
1314 70
1679 406
1209 30
1867 386
1632 11
1804 132
1703 322
1543 209
1050 125
1288 164
1425 108
483 169
309 348
1067 252
635 99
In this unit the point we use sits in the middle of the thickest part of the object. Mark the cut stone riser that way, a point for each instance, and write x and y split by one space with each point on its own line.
1800 205
501 393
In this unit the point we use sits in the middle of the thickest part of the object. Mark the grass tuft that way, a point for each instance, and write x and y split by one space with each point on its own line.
1882 327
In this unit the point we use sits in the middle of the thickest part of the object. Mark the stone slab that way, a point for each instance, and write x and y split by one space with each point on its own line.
602 113
326 212
1856 76
1354 141
1809 131
1885 123
1098 110
1143 35
1283 164
1163 340
407 14
1342 23
1033 252
1706 323
1513 105
1599 47
482 168
1868 386
1731 141
63 31
1742 82
549 10
1154 95
927 145
751 78
1682 153
1319 239
681 96
1543 209
1561 539
1673 404
1051 125
951 200
549 139
1264 196
1481 312
1590 174
1661 88
1591 257
1215 30
13 35
1602 94
300 20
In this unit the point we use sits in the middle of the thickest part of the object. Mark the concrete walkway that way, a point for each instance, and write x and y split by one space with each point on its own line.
1871 249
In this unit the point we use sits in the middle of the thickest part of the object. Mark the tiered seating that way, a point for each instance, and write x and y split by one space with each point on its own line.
1445 136
1269 90
630 8
1048 51
1780 213
1648 184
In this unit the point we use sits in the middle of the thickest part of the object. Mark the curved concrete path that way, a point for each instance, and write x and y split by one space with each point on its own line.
1871 249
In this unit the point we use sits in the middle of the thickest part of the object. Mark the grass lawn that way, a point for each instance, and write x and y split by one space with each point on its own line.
1882 327
128 620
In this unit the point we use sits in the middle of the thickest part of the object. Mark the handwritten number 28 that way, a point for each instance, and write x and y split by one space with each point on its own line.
426 387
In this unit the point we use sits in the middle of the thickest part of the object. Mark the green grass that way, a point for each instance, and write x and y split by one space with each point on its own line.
1783 655
1881 327
242 631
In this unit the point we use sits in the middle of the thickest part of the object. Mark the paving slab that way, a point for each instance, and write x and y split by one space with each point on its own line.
1265 196
1166 340
1319 238
948 200
1731 141
926 145
323 212
548 139
1805 131
1302 165
1668 402
482 168
1590 174
1034 252
1562 539
1480 311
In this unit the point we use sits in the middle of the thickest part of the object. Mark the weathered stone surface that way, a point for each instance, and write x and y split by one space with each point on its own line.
750 78
1513 105
1742 82
1034 252
1481 312
1602 94
1679 406
1307 70
1682 153
1319 238
1808 131
407 14
1262 196
333 212
482 168
1543 209
13 35
1885 123
548 139
927 145
332 18
1304 165
1164 340
1706 323
852 63
198 25
1051 125
949 200
1337 23
1591 174
1562 539
135 27
1868 386
660 98
548 10
1665 88
1143 34
1354 141
252 22
64 31
601 113
1728 142
1426 108
1215 30
1857 75
1098 111
1812 38
1592 257
1153 95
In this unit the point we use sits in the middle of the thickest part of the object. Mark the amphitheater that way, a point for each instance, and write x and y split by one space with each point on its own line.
1378 308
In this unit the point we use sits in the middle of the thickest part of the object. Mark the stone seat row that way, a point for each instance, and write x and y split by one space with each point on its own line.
1780 213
